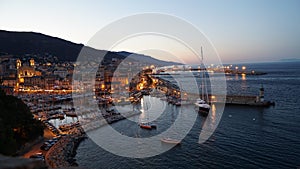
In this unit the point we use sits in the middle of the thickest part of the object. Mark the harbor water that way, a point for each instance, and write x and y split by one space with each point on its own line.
246 137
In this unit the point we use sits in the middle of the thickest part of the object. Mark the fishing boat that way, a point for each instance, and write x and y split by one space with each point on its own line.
145 126
148 126
170 141
202 103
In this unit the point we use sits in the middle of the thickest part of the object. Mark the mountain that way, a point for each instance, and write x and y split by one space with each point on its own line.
21 43
146 59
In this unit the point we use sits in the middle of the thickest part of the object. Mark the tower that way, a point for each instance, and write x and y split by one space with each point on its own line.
31 62
18 63
262 94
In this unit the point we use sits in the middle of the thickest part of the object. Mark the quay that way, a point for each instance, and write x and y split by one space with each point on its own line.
174 96
248 101
233 72
92 124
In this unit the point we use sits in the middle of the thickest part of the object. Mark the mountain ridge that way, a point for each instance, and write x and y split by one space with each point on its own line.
21 43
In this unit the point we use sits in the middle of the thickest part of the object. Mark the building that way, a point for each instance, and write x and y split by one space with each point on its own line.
36 82
26 71
61 73
9 81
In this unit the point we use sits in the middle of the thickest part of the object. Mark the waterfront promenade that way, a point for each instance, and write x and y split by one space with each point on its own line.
62 153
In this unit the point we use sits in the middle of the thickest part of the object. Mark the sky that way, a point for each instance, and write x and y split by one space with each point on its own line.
240 30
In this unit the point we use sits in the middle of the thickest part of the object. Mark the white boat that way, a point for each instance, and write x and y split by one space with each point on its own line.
170 141
203 106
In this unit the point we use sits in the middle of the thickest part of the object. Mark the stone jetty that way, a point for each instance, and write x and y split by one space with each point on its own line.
63 152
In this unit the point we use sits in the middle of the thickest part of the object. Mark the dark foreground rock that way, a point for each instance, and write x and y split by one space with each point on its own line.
25 163
20 163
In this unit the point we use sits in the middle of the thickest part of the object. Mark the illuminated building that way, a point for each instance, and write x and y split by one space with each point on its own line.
18 63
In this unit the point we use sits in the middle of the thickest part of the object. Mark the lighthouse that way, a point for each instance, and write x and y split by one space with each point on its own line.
262 94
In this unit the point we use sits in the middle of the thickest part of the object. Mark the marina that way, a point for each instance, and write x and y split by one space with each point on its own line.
251 136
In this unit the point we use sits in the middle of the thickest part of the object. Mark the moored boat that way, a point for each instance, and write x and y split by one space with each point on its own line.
201 103
146 126
170 141
203 107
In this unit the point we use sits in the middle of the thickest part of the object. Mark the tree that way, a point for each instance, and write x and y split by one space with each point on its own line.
17 125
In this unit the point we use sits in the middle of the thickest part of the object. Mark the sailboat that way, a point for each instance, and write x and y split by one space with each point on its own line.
202 103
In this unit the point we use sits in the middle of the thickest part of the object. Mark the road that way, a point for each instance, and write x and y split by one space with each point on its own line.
36 148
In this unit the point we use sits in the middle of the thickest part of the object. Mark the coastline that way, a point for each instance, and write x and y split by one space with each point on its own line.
63 152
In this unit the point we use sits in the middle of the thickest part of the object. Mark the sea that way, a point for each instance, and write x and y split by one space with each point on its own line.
246 137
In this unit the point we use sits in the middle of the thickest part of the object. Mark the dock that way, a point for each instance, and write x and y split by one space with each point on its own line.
247 101
173 96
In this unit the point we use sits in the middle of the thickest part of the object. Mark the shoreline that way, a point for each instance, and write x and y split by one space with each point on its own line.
63 152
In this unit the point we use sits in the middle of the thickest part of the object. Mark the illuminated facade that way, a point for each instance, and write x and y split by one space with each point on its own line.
18 63
31 62
25 71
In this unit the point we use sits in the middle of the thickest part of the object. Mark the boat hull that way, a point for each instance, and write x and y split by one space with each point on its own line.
146 127
203 111
170 141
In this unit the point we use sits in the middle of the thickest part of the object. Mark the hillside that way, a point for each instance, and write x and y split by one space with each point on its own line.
21 43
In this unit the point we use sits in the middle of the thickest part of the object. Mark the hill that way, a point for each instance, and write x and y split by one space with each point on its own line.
21 43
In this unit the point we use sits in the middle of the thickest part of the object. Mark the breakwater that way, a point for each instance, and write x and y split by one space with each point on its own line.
63 152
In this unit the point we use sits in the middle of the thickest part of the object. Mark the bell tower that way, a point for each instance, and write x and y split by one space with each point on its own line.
31 62
18 64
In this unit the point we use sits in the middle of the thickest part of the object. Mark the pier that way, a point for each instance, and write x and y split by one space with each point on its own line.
173 96
247 101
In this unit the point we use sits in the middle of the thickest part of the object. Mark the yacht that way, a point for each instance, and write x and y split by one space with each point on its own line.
201 103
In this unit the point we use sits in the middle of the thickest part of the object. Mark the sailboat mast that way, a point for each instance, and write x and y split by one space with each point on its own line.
204 83
202 73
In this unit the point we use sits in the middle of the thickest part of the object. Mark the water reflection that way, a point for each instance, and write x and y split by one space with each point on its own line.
213 113
236 77
244 77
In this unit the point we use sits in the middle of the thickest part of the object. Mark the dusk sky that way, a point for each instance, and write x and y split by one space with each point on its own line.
241 31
